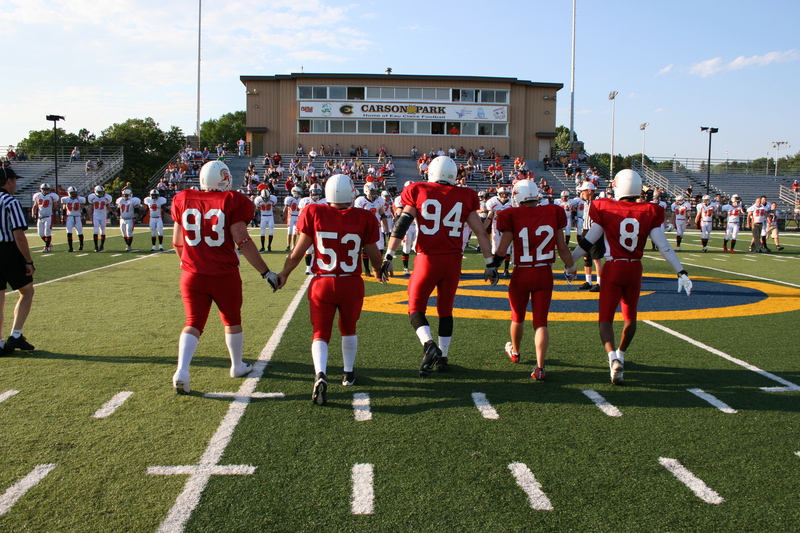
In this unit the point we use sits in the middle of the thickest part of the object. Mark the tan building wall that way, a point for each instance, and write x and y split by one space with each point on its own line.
273 111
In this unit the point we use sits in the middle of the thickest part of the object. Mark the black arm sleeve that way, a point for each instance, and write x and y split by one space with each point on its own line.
402 224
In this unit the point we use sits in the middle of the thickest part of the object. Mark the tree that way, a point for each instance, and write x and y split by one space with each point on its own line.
147 147
44 139
562 138
227 129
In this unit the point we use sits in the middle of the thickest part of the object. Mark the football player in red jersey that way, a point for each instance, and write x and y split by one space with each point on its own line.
441 209
209 225
338 232
625 226
536 232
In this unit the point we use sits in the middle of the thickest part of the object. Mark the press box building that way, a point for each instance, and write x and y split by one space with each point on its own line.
398 111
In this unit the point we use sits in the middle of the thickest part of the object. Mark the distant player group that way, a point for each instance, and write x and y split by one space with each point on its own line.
98 205
335 237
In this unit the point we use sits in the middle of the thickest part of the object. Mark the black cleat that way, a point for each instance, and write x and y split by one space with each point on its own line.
595 288
320 394
441 365
432 355
586 286
348 379
19 343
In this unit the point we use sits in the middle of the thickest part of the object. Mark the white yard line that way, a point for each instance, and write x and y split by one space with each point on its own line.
7 394
363 490
745 275
201 473
361 408
112 404
713 400
484 406
602 403
527 481
18 489
787 385
700 489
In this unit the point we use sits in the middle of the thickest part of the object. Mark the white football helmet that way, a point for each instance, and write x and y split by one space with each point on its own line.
564 194
706 199
679 198
370 191
669 226
154 194
525 191
627 183
503 194
386 195
339 189
215 176
315 192
442 169
99 190
297 192
72 192
264 194
44 187
127 193
406 184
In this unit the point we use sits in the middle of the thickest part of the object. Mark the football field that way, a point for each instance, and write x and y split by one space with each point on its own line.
704 436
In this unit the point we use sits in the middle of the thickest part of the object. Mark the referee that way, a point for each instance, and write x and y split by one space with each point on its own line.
16 265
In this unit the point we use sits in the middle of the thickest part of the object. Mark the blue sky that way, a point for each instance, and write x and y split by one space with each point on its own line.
678 65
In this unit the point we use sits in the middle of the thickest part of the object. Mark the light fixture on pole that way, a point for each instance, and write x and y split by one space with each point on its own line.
55 119
778 145
612 96
708 166
642 127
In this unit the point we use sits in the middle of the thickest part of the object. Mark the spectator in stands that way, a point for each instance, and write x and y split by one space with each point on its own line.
389 171
89 166
461 153
100 164
454 130
795 187
382 154
300 151
240 144
206 154
75 155
312 155
414 153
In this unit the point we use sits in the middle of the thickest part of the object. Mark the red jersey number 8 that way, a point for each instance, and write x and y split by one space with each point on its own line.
218 228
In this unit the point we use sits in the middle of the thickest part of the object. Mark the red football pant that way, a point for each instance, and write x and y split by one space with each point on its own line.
534 284
622 283
441 272
326 295
198 291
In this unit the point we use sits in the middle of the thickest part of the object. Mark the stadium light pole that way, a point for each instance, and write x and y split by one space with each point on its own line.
199 42
642 127
612 96
55 119
708 166
778 145
572 82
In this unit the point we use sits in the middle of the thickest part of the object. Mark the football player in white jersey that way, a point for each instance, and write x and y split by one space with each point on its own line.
314 197
566 203
290 211
375 204
499 203
680 214
410 238
265 204
704 220
155 206
732 212
42 210
73 206
128 208
100 201
388 202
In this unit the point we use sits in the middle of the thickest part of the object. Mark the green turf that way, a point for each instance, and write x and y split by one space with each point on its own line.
438 465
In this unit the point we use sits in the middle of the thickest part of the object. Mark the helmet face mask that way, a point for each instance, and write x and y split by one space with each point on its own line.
99 190
127 193
72 192
315 193
370 191
45 188
503 194
154 194
296 192
264 194
706 199
679 198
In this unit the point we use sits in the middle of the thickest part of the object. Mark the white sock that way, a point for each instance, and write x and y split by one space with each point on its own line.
319 354
588 278
444 345
235 344
16 333
187 344
621 356
611 356
424 334
598 279
349 349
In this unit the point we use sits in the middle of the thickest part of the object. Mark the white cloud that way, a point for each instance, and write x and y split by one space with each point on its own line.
710 67
660 110
664 70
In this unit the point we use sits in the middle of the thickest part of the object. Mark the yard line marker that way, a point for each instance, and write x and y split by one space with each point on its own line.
748 259
112 404
718 259
527 481
18 489
745 275
201 473
81 255
602 403
257 395
788 385
700 489
116 255
363 490
484 406
7 394
361 408
780 260
797 454
713 400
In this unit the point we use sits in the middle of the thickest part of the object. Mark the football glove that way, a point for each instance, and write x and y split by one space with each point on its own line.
569 276
272 279
684 282
490 274
387 268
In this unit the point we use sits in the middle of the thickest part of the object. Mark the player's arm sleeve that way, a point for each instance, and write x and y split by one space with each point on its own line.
584 244
660 240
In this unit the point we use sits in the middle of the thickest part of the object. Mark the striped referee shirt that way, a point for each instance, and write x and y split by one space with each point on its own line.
11 216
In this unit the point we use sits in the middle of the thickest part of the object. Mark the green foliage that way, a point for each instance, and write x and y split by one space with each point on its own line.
147 147
562 138
227 129
44 139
